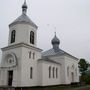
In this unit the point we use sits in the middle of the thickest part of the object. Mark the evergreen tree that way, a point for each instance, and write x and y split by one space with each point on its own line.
83 66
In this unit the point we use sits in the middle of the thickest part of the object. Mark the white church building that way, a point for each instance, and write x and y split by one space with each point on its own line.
25 65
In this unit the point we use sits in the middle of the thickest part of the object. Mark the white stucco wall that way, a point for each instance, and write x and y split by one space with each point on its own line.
65 61
39 73
70 62
26 64
60 59
44 79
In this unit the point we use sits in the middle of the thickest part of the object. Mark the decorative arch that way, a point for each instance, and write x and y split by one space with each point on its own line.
32 37
10 60
13 35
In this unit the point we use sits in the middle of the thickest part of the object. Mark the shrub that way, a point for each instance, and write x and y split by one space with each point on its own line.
85 79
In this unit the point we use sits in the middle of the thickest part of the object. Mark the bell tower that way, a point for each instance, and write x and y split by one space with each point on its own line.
20 57
23 30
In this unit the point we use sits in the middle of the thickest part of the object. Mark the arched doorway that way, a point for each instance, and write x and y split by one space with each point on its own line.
10 77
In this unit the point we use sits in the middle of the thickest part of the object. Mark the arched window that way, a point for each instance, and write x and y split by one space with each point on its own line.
32 37
56 72
68 71
53 72
13 34
49 71
31 72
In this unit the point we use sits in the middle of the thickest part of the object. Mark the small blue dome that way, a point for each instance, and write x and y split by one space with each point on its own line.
24 5
55 40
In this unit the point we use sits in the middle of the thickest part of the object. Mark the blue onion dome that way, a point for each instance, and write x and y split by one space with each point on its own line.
55 40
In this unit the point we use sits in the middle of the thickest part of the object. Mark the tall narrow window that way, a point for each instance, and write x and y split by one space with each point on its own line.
32 37
13 34
56 72
68 71
30 54
76 71
33 55
49 71
53 72
31 73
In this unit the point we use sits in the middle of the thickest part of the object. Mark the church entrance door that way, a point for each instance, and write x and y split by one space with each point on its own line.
10 77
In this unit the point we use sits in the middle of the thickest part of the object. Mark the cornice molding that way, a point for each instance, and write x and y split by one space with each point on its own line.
21 45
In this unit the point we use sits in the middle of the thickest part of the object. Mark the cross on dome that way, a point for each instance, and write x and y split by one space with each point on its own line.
55 33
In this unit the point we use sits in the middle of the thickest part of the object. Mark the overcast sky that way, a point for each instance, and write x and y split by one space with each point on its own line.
70 17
